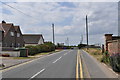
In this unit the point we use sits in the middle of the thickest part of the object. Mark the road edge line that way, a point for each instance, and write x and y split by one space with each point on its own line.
81 69
26 62
77 77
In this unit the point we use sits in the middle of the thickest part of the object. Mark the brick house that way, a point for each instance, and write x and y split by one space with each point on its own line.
12 36
1 33
33 39
112 43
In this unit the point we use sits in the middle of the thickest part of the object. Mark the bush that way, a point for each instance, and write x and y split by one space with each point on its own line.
115 62
47 47
32 50
105 58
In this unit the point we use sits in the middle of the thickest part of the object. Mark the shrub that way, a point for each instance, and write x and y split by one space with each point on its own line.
32 50
115 62
47 47
105 58
39 48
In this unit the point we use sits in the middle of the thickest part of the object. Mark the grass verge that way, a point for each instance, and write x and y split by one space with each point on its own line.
95 52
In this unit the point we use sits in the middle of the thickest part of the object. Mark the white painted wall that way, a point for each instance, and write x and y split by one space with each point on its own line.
41 41
11 53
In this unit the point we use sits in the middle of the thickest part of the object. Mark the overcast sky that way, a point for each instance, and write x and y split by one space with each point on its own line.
68 17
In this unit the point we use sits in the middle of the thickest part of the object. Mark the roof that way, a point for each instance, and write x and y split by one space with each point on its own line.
5 27
115 37
16 28
1 28
32 38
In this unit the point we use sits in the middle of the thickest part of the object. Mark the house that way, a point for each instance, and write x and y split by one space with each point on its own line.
1 33
112 43
33 39
12 36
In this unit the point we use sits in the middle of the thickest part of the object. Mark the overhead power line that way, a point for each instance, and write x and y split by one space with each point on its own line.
18 10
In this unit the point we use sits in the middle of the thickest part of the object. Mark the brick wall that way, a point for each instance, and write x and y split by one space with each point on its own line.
114 47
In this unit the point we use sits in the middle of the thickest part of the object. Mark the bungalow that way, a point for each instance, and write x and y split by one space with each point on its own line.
12 36
33 39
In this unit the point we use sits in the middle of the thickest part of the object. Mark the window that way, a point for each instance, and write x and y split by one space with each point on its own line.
18 44
5 44
12 45
12 33
18 34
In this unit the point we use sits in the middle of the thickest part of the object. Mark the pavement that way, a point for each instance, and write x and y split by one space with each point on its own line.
60 65
10 61
95 69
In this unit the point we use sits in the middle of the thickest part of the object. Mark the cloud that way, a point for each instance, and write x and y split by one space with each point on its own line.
69 21
61 0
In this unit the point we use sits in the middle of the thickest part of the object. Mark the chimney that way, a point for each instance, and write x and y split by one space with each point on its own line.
3 21
108 37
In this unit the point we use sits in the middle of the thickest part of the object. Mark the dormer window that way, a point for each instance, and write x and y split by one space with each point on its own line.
12 33
18 34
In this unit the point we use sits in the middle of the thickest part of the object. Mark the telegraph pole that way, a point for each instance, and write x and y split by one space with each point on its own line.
87 30
81 39
67 41
53 33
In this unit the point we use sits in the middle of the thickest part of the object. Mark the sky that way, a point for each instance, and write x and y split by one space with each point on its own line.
68 17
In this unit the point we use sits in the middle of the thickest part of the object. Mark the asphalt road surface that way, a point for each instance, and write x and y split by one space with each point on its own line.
95 69
60 65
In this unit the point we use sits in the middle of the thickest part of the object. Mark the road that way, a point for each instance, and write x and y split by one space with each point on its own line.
60 65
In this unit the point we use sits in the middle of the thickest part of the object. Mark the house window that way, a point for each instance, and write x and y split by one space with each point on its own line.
18 34
5 44
12 44
12 33
18 44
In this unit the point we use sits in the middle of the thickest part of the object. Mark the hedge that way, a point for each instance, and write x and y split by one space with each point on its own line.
46 47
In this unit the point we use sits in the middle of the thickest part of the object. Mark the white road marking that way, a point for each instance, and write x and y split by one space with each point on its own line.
57 59
65 53
37 73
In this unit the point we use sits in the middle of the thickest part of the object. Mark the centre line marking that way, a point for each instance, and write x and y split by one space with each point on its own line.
37 73
57 59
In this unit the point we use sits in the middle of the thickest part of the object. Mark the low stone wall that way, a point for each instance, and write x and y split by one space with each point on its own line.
11 53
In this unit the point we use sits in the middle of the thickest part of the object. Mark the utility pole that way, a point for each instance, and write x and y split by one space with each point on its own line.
87 31
67 41
81 39
53 33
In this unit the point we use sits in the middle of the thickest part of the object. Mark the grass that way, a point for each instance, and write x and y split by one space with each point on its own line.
95 52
